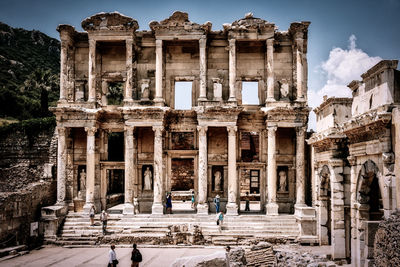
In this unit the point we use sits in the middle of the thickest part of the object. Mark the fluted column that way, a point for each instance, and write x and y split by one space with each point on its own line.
61 165
272 207
232 206
129 170
202 206
90 167
300 168
159 73
203 69
92 71
129 72
157 207
63 71
232 69
299 69
270 70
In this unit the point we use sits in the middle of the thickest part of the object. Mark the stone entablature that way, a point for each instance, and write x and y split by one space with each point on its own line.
332 112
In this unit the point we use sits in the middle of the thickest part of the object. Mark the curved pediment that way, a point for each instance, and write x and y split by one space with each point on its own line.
109 21
179 21
249 22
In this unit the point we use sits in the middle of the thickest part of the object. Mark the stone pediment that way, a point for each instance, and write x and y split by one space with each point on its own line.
179 21
109 21
250 23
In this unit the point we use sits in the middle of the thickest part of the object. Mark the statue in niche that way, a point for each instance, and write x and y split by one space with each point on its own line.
217 89
147 179
136 205
82 183
217 181
282 181
284 89
145 89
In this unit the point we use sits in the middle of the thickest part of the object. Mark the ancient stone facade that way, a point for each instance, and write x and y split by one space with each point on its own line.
121 140
355 163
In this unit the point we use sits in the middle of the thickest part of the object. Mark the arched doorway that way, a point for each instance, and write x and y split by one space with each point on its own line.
324 196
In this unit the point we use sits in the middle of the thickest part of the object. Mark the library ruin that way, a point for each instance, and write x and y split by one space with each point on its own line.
124 142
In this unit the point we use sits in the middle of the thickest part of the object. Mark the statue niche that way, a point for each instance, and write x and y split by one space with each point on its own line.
283 179
217 178
147 177
81 182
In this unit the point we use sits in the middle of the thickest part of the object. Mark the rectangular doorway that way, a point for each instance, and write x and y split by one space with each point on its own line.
182 184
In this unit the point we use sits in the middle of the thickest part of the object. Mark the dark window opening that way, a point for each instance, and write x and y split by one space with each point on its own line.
250 146
115 181
115 94
116 146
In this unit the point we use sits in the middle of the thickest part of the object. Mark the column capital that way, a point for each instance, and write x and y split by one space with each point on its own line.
129 41
270 41
352 160
158 130
129 129
159 43
202 130
92 42
272 129
61 130
202 41
300 131
231 130
91 131
232 41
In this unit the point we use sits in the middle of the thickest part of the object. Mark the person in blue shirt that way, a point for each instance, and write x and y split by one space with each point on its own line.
169 203
216 203
193 199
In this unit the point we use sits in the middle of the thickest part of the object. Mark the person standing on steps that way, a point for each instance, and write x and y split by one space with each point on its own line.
216 203
220 220
103 219
169 203
136 257
112 257
247 208
193 199
92 211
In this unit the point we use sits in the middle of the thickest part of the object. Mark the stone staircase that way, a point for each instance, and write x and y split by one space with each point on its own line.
176 229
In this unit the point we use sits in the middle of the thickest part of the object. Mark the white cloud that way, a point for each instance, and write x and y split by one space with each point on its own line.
342 67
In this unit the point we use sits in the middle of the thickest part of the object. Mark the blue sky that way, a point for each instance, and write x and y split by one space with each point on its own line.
345 37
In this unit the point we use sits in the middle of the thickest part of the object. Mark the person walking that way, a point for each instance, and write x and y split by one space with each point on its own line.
112 257
92 211
103 219
193 199
220 220
247 208
136 257
168 204
216 203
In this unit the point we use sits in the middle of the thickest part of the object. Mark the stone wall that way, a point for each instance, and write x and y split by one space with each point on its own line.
27 179
387 242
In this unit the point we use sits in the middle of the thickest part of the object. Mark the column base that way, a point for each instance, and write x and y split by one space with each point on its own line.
159 102
128 209
272 209
87 206
232 209
232 99
200 99
157 209
202 209
270 99
300 209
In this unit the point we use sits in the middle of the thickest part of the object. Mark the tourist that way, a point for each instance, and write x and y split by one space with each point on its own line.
169 203
136 257
193 199
220 220
112 257
216 203
103 219
247 208
92 211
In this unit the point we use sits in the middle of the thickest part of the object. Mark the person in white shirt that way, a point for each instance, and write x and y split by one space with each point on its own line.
103 219
112 257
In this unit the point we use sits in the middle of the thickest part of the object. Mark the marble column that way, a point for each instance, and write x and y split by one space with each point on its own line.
300 168
232 70
129 71
61 166
353 210
299 69
232 206
202 206
63 71
270 70
129 170
157 207
272 207
203 69
92 71
90 167
159 73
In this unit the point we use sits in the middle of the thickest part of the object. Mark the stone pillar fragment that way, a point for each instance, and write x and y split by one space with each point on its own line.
90 167
129 71
129 170
270 70
61 166
232 70
157 207
300 168
159 73
92 71
272 206
299 69
202 206
353 211
203 69
232 206
63 71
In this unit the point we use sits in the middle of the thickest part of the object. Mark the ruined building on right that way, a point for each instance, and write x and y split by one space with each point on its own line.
356 163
